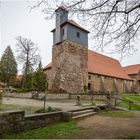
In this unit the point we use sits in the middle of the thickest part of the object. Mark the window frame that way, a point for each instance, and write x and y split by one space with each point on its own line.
78 34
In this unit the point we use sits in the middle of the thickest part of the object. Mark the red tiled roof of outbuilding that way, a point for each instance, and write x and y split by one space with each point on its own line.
103 65
132 69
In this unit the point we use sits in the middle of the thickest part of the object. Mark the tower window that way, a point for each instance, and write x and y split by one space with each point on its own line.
78 34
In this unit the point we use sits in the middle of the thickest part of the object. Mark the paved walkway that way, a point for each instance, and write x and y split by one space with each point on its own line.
63 104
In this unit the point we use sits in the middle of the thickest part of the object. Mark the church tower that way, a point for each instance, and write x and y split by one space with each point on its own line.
69 55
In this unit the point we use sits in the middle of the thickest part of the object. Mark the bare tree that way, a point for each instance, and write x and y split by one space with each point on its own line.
28 56
110 21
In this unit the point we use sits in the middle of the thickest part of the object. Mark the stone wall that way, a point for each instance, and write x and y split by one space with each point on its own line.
48 72
136 84
69 67
18 95
13 121
28 95
100 83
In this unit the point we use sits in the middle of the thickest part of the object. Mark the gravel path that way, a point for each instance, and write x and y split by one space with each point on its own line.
63 104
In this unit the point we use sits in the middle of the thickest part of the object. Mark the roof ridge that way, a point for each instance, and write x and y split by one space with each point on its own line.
103 55
74 22
131 65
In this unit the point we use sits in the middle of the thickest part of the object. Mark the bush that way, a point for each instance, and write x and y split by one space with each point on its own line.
49 109
22 90
41 111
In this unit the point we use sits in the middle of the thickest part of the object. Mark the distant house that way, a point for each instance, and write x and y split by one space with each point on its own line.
134 72
19 77
18 82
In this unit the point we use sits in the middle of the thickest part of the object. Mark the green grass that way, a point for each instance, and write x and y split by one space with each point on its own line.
133 98
59 131
27 109
117 113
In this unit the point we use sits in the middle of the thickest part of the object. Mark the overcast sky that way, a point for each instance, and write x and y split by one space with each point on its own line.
17 19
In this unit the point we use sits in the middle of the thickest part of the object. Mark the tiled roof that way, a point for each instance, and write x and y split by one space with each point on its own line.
103 65
61 7
48 66
133 69
72 22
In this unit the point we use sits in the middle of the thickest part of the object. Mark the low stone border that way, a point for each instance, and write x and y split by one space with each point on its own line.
13 121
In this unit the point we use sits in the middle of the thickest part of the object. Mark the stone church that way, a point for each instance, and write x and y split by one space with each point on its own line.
76 69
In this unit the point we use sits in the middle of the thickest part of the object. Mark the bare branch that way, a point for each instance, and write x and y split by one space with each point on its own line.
110 21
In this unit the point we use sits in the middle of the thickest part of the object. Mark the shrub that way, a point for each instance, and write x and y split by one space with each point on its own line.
22 90
49 109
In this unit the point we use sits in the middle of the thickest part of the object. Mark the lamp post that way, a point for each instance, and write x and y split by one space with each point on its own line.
45 95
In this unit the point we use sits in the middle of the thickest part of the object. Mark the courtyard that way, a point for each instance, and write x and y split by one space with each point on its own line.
104 125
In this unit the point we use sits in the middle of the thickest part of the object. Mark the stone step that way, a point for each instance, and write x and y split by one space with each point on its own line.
80 112
119 108
83 115
80 109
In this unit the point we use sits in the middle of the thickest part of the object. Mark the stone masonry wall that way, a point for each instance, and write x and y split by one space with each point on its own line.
100 83
69 67
136 84
13 121
48 72
18 95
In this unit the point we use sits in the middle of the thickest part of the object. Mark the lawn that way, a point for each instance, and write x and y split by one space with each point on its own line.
133 98
59 131
117 113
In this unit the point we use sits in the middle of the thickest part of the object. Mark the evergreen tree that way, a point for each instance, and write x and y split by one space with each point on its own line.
39 81
8 67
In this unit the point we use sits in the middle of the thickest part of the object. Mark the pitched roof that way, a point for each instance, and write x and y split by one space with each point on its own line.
61 7
73 23
103 65
48 66
132 69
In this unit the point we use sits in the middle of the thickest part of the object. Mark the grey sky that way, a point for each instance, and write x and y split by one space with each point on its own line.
16 19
